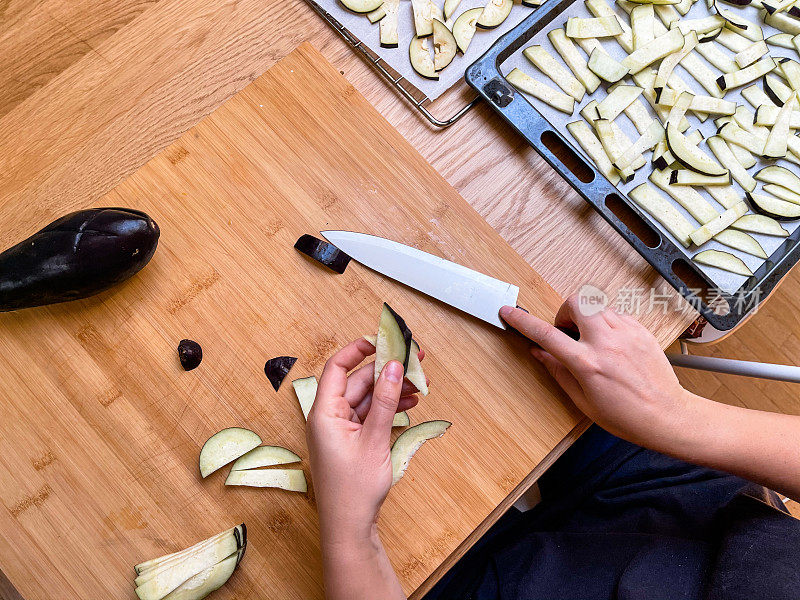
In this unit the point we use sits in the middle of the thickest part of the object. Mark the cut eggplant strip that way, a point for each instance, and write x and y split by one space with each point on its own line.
617 100
292 480
394 341
757 97
361 6
605 67
778 5
734 134
377 14
323 252
277 368
746 75
667 66
743 157
791 71
401 419
589 112
153 563
601 8
711 52
770 206
777 142
668 14
420 56
690 155
638 115
541 91
767 115
722 260
657 49
739 240
659 2
388 34
557 73
704 233
779 176
407 444
651 202
653 135
783 193
679 108
414 374
662 157
205 582
726 196
687 197
595 27
226 446
265 456
594 149
777 91
424 12
725 156
569 53
760 224
450 7
644 79
494 13
781 40
444 45
782 22
742 26
704 104
159 583
732 40
748 56
642 20
687 177
701 25
615 142
684 6
465 26
306 391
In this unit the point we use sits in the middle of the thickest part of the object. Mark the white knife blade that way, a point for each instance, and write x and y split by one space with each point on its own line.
470 291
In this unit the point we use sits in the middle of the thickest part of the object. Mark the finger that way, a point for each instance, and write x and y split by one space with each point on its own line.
535 329
559 372
571 316
360 403
359 384
362 408
407 402
333 381
385 399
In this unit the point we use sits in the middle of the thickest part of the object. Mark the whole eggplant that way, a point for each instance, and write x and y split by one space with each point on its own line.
76 256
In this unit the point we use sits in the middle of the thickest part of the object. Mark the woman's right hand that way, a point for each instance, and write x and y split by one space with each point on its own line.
617 374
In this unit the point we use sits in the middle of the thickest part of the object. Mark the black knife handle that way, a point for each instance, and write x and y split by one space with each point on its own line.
573 333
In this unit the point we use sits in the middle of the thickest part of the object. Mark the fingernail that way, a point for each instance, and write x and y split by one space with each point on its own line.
505 311
393 371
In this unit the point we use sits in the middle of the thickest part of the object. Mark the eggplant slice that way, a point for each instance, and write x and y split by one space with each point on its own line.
394 341
323 252
420 56
276 369
306 390
465 26
292 480
226 446
265 456
407 444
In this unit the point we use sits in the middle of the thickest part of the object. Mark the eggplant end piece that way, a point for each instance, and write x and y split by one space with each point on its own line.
276 369
323 252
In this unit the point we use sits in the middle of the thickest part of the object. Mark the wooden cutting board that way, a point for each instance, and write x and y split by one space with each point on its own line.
100 428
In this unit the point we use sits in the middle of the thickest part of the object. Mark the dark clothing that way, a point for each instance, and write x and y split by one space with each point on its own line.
618 521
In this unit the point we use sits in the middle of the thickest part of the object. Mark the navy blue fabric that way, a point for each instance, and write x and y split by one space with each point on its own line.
617 521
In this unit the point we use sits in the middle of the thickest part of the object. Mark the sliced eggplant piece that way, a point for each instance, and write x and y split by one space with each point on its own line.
444 45
770 206
605 67
601 8
701 25
638 115
389 37
779 176
650 201
190 354
705 104
702 74
778 139
277 368
414 373
265 456
646 141
573 59
323 252
782 22
684 6
408 442
77 256
153 563
424 12
749 55
615 142
541 91
734 134
742 26
742 241
292 480
777 91
686 196
617 100
377 14
642 22
589 112
557 73
660 47
766 115
420 56
595 27
760 224
746 75
742 156
781 40
791 71
726 196
594 149
711 52
783 193
668 64
704 233
725 156
394 341
690 155
679 108
494 13
687 177
450 7
722 260
401 419
361 6
226 446
204 583
306 391
732 40
464 28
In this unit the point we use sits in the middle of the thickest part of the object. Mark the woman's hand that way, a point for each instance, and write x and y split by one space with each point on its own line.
617 374
348 433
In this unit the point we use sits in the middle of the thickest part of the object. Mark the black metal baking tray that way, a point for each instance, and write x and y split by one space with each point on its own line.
657 249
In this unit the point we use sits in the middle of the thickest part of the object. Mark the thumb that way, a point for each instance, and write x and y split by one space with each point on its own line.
385 398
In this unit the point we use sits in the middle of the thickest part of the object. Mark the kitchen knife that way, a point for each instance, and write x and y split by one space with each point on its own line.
470 291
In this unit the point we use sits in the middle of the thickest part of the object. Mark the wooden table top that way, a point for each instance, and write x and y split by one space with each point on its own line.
91 89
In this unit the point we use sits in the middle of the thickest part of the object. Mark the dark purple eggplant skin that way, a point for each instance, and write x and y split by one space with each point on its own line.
77 256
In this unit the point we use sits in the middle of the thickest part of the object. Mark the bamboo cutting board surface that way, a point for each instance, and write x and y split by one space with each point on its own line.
100 428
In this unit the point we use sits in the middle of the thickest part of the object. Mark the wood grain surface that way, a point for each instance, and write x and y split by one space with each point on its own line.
100 429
